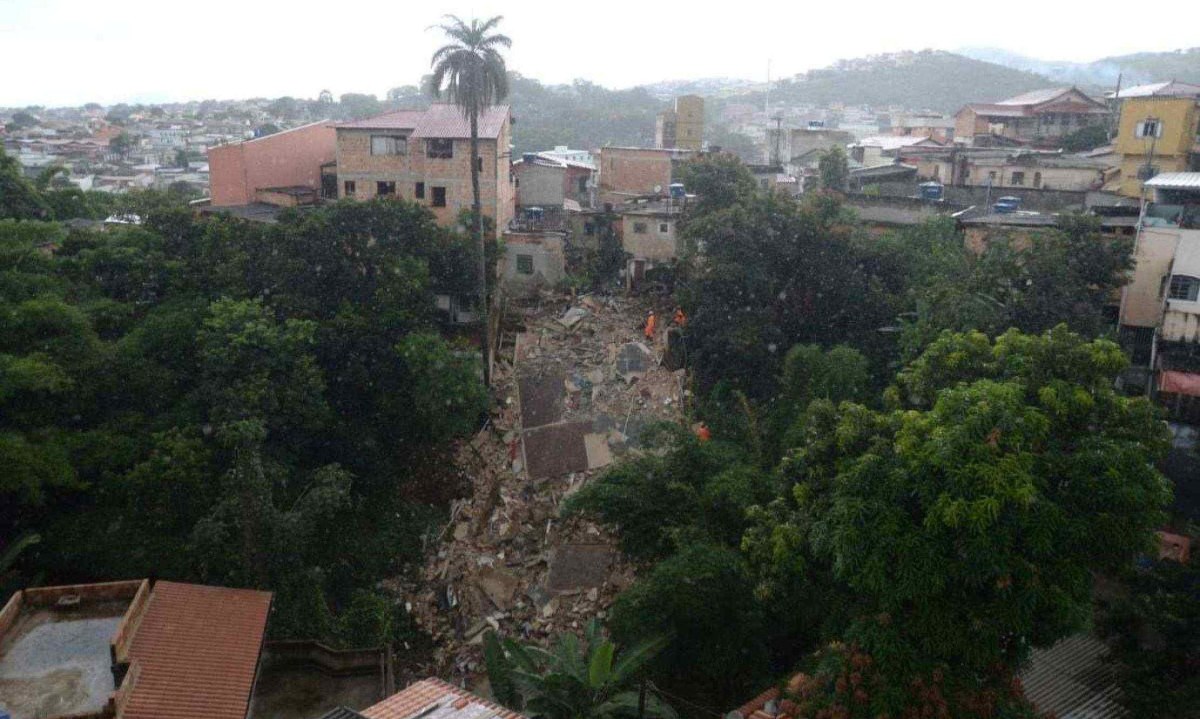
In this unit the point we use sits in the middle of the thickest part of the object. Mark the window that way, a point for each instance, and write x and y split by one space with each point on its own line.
1150 127
419 191
639 228
991 176
524 264
1037 179
664 228
479 164
348 188
389 145
1184 288
384 189
439 196
589 229
582 186
1018 178
439 148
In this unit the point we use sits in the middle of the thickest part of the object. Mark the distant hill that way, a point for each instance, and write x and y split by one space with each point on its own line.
929 79
582 115
1135 69
706 87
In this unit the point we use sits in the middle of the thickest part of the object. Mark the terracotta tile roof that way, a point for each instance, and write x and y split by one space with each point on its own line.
196 649
435 699
768 705
440 120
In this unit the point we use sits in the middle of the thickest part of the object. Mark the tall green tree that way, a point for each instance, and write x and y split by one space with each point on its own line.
833 168
19 198
470 70
965 526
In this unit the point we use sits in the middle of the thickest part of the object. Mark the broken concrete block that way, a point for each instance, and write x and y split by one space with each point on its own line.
598 453
572 317
498 585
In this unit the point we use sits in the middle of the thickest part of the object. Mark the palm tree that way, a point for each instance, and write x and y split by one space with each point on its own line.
573 680
471 72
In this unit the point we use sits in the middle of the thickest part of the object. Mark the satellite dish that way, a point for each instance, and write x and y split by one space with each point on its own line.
657 188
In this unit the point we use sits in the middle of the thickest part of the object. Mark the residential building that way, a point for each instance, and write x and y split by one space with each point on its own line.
1041 116
562 152
683 126
649 236
425 156
631 172
432 698
937 127
886 149
1158 131
543 180
241 171
1050 171
1160 306
131 650
799 149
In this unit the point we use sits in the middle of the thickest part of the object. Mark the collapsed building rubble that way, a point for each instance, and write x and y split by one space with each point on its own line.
580 385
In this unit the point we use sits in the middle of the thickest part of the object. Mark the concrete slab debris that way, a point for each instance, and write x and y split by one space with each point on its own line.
598 453
541 397
572 317
499 586
557 449
579 566
508 559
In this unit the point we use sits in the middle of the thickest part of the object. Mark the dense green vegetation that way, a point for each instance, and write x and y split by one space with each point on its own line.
240 404
919 463
902 537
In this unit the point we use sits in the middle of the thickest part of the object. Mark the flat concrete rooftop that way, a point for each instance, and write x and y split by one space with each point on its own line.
55 657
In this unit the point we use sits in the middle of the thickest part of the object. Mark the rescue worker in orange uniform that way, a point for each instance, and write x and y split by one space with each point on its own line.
703 433
680 317
651 321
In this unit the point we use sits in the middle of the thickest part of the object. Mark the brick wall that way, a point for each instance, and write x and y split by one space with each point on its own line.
286 159
632 171
356 163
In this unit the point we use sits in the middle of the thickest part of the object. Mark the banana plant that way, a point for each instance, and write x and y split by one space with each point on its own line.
573 679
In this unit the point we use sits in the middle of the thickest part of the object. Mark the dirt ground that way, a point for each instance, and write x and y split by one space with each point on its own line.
576 384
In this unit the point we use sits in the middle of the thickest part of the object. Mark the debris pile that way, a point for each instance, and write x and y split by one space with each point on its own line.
582 384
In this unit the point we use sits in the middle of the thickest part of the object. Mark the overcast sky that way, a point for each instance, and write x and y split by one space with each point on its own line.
68 52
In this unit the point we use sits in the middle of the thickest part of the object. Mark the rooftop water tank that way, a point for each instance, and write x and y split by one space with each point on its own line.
1006 205
931 190
676 189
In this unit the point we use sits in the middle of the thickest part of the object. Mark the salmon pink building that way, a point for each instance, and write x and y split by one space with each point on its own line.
266 169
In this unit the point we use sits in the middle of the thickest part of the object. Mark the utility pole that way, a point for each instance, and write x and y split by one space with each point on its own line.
1114 117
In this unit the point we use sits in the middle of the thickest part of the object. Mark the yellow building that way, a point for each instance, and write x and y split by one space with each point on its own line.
1166 125
683 127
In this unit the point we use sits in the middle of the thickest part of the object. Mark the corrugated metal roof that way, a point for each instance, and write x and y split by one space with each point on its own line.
197 651
1176 181
1073 680
1037 97
1171 88
435 699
